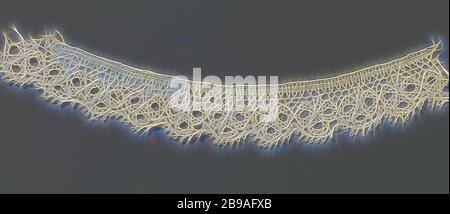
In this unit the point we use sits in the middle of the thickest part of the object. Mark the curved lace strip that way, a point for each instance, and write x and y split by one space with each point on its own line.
315 110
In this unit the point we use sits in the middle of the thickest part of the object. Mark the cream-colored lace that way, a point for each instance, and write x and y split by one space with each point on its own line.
314 110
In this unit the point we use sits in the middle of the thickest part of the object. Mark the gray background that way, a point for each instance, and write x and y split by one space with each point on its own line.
44 149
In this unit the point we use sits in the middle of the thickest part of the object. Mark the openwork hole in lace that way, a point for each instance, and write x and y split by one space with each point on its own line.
13 50
34 62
